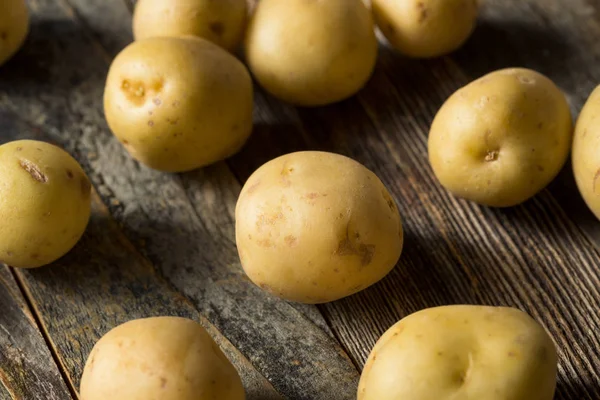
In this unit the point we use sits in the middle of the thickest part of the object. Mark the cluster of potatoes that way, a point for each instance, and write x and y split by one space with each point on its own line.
311 227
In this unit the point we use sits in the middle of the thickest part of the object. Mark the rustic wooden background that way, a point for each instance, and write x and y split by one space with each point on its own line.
163 244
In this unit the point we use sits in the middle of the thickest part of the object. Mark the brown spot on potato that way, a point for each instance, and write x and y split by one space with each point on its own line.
290 240
217 27
491 155
3 35
336 270
85 186
35 256
540 125
540 168
235 127
69 174
125 142
265 242
173 121
423 12
9 253
157 101
511 354
19 148
34 171
312 196
150 123
163 382
596 176
253 187
269 220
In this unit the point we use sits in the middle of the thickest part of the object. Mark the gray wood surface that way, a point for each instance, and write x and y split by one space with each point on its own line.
164 244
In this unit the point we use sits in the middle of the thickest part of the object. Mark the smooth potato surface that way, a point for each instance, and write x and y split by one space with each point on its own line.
14 26
462 353
220 21
311 53
44 203
426 28
502 138
314 227
586 152
178 104
160 358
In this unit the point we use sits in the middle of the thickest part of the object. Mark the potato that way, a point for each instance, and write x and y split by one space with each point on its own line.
314 227
462 353
426 28
502 138
44 203
586 152
178 104
14 26
160 358
311 53
220 21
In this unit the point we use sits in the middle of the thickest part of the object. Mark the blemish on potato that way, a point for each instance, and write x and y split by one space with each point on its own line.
19 148
540 168
69 174
596 176
35 256
491 155
163 382
253 188
3 35
125 142
218 28
157 101
265 242
150 123
85 186
34 171
423 12
290 240
9 253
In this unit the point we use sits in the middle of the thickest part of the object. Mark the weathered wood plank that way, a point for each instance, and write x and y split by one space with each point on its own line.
532 256
182 223
104 282
27 369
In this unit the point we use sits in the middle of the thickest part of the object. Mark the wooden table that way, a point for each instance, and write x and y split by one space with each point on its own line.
163 244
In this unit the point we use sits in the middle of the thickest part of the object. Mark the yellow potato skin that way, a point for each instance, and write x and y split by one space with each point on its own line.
311 53
219 21
178 104
502 138
426 28
166 358
462 353
586 152
314 227
44 203
14 26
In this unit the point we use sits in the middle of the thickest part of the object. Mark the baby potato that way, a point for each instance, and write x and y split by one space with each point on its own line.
220 21
311 53
502 138
162 358
426 28
462 353
314 227
586 152
178 104
44 203
14 26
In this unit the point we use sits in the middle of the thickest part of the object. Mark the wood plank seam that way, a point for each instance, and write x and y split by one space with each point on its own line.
41 327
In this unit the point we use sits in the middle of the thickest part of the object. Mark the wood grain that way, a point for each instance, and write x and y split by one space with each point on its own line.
27 369
182 223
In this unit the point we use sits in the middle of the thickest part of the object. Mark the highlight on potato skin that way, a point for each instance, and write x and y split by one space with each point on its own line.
14 27
178 103
502 138
174 358
313 227
426 28
462 352
311 53
222 22
45 206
